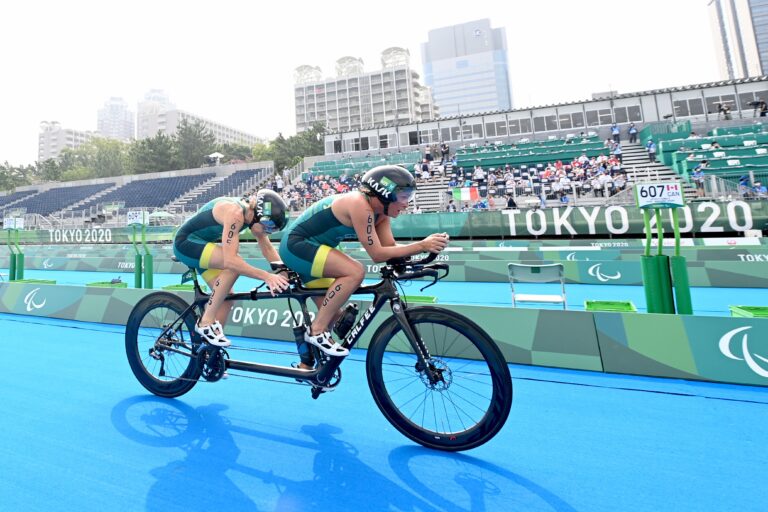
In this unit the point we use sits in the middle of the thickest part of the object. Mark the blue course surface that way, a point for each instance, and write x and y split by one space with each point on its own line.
706 301
80 433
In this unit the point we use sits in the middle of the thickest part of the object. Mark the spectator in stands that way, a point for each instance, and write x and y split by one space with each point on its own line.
478 175
417 209
694 135
279 184
698 177
760 191
615 133
617 152
651 147
632 132
221 265
745 189
511 204
620 182
762 106
715 145
428 157
425 170
451 206
444 152
309 178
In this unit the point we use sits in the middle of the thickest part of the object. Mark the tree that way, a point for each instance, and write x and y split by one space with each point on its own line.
234 152
289 152
153 154
49 170
12 177
262 152
110 158
192 143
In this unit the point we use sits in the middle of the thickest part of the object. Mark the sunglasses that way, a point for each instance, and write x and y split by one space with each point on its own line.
268 225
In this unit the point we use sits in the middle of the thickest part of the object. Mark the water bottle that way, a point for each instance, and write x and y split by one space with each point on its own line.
305 354
346 321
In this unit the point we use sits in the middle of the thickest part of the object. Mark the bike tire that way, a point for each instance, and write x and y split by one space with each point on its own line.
145 324
440 416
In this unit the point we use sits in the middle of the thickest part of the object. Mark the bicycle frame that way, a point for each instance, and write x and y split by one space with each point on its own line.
383 292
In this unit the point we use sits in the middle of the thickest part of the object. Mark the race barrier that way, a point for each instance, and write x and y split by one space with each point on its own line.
703 218
718 349
718 262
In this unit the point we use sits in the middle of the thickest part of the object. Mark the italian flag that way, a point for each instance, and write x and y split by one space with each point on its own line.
466 194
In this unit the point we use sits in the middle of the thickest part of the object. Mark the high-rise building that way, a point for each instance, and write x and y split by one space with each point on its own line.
466 66
53 139
115 120
150 111
156 114
740 29
356 99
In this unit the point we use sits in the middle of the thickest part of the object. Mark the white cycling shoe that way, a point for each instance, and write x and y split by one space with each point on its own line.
213 334
324 342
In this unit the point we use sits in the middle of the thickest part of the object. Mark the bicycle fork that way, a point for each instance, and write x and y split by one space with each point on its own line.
423 363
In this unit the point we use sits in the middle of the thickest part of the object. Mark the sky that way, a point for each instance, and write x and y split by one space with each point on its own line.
233 61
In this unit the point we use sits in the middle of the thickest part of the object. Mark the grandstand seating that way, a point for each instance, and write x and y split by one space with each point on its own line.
351 166
529 154
150 193
56 199
226 187
6 201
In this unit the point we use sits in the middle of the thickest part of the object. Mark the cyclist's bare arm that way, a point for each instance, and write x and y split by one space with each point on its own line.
265 246
231 218
361 216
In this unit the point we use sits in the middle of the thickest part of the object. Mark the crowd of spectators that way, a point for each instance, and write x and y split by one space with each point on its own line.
598 176
558 182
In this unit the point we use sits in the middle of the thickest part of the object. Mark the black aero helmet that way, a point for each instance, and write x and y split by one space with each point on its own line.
270 209
389 183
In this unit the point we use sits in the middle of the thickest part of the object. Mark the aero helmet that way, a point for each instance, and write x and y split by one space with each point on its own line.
270 210
389 183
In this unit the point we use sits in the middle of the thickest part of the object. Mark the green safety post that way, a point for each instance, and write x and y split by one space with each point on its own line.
680 273
19 256
12 263
656 278
148 271
137 261
661 273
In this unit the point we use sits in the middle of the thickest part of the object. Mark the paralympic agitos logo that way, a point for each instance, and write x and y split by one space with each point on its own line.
595 271
29 301
755 362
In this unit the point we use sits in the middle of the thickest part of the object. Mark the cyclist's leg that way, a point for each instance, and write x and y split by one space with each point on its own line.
220 282
221 313
348 273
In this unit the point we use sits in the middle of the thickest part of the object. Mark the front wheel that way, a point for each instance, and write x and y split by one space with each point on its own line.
467 401
160 345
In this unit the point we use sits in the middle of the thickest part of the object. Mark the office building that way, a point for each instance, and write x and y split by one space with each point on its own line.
356 99
53 138
466 66
156 114
740 31
116 121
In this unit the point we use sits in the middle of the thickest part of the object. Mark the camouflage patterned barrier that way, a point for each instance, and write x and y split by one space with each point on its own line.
703 218
718 262
718 349
721 349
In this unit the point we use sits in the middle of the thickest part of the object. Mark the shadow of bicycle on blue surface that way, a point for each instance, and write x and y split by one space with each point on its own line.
211 467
